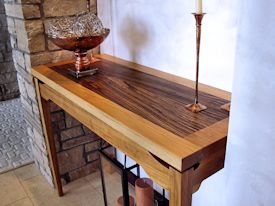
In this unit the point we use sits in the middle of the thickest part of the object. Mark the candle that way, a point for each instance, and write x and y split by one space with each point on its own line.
199 6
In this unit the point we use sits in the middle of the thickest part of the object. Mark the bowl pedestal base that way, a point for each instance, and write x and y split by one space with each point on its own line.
79 74
82 65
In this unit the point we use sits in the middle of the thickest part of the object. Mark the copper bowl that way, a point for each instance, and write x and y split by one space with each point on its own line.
80 46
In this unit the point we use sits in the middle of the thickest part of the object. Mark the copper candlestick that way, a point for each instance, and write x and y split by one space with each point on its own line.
196 106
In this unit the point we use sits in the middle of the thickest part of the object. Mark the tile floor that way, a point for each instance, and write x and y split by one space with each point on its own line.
15 149
26 187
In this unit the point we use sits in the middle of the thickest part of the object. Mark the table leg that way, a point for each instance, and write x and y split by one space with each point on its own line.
44 107
181 187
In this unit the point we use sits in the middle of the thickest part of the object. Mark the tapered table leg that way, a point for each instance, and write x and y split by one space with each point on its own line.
181 187
44 107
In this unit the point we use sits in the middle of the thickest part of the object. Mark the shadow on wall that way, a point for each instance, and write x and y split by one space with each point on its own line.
135 34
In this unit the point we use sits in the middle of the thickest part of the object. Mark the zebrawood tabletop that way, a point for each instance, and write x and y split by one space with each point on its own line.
155 99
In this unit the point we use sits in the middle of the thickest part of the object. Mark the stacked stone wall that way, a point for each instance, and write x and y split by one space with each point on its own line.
31 47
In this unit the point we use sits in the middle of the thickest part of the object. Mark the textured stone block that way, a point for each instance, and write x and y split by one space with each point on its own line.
1 57
51 57
93 145
76 142
63 8
3 21
14 10
22 87
30 35
8 77
13 41
8 46
29 1
93 156
57 116
11 25
4 36
18 58
27 105
39 140
84 171
6 67
2 46
24 11
57 143
12 87
54 107
35 110
2 7
61 125
87 130
7 56
35 33
71 159
70 121
23 72
52 46
21 35
28 62
31 11
31 91
71 133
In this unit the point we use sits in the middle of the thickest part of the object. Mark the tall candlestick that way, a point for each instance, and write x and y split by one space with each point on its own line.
196 106
198 6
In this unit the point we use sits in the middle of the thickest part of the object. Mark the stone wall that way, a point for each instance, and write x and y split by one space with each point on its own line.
31 47
8 81
75 144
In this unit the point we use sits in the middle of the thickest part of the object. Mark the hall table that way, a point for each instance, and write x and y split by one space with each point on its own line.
141 111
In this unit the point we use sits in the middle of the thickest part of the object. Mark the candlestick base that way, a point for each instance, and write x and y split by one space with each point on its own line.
195 107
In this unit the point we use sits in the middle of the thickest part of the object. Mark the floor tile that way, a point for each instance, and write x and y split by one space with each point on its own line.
23 202
14 139
10 189
79 192
83 192
112 184
26 172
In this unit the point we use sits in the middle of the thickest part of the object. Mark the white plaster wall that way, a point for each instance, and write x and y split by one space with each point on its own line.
161 34
250 164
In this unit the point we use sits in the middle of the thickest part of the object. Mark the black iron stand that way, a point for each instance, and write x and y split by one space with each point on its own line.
126 177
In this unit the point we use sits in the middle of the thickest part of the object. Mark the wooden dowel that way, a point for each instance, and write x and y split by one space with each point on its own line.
144 192
120 201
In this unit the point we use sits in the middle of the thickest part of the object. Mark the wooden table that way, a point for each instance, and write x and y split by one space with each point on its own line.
141 111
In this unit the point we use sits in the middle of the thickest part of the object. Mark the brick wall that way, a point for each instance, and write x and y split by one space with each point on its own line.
8 81
31 47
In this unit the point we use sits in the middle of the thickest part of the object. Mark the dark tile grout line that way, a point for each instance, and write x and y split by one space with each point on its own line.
12 169
18 201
